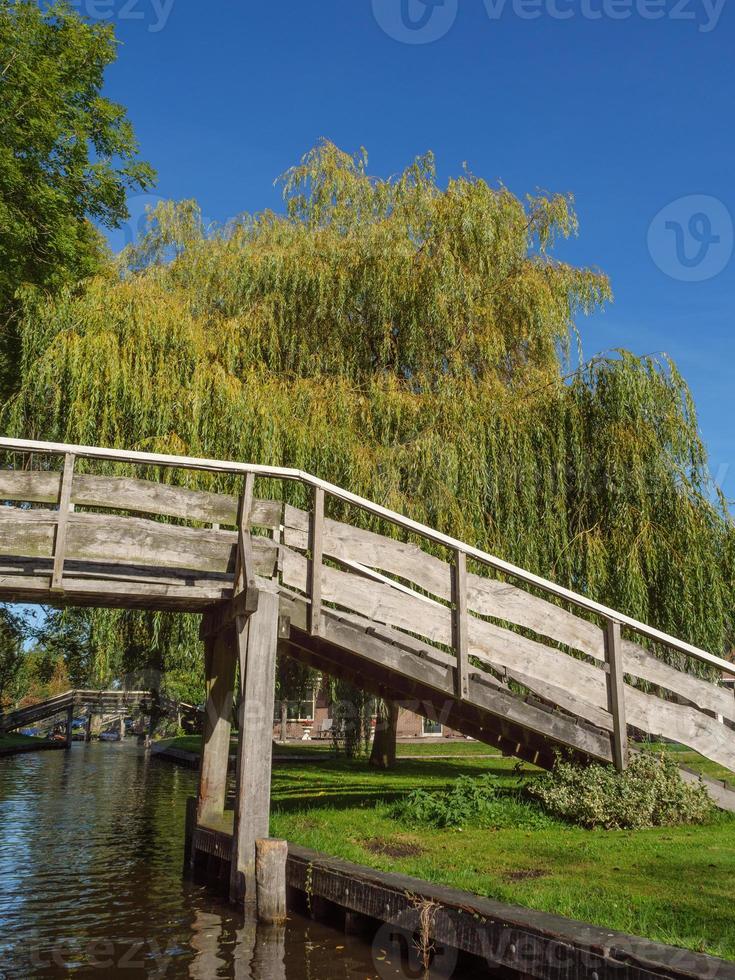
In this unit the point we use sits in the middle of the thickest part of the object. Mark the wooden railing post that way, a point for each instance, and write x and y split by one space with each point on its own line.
616 693
246 589
316 545
460 622
65 507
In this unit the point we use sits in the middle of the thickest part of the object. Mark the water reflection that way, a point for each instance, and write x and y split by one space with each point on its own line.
91 851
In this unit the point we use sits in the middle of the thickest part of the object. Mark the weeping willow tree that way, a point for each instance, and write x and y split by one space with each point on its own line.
415 343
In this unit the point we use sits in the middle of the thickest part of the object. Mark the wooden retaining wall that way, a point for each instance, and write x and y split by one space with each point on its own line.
504 937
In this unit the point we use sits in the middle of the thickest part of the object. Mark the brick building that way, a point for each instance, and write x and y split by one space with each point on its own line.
311 718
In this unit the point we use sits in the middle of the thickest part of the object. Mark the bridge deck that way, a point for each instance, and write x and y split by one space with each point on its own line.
396 608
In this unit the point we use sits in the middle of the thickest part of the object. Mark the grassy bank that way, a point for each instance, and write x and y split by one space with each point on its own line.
673 884
21 742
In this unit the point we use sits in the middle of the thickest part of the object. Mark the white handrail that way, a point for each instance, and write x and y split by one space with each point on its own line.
299 476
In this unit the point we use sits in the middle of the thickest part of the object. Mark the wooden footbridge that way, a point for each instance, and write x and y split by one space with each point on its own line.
71 703
116 703
355 590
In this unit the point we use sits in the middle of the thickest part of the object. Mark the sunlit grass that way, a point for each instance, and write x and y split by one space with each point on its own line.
672 884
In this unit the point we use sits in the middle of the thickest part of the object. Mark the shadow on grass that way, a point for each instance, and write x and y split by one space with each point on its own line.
343 784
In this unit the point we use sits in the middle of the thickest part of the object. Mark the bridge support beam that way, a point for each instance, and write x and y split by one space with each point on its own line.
219 665
69 723
257 641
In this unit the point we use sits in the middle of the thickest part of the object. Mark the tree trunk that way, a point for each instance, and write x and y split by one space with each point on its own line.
284 720
383 753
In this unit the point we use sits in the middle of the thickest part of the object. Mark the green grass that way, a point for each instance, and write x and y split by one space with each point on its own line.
673 884
13 741
693 760
458 747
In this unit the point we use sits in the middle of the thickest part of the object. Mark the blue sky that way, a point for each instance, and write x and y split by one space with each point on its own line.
626 103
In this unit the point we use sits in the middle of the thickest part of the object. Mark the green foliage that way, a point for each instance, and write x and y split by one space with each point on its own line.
11 657
65 634
67 154
410 342
474 802
293 679
351 711
649 793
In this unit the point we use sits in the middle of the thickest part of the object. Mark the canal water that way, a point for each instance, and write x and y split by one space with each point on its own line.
91 856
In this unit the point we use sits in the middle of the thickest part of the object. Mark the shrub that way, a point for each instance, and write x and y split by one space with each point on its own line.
476 802
650 793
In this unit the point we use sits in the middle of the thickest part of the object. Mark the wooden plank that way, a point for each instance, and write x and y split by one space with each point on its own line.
131 540
374 600
681 723
112 594
459 622
490 698
65 506
115 572
139 496
343 541
616 693
562 698
705 695
502 601
503 649
257 640
316 547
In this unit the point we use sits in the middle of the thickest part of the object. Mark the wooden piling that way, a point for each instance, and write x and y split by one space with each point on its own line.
219 659
616 693
257 639
270 875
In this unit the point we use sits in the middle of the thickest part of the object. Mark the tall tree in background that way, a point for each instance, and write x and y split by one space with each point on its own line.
11 656
413 343
68 157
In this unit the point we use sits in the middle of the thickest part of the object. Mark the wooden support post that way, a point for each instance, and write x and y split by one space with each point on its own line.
257 640
616 693
88 728
69 722
316 538
219 664
121 722
270 875
460 623
62 521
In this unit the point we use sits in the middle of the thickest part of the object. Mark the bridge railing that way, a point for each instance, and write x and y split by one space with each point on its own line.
332 563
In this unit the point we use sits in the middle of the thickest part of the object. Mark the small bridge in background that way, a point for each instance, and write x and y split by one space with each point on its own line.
355 590
118 703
